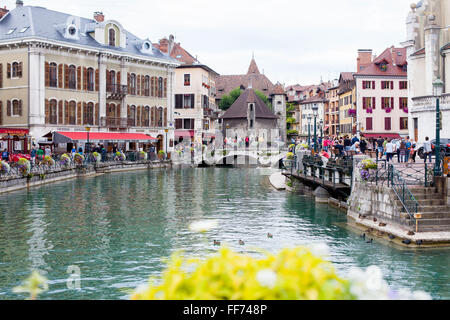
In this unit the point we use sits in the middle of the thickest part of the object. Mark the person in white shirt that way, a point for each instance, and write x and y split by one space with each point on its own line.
48 151
390 150
427 149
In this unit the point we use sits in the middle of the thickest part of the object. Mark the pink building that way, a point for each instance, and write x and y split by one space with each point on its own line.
382 95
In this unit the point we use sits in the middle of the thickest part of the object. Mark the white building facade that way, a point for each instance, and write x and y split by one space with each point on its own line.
428 48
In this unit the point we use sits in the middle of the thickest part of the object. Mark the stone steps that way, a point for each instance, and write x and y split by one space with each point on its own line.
433 207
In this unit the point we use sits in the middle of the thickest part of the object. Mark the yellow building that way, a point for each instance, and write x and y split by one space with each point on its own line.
347 103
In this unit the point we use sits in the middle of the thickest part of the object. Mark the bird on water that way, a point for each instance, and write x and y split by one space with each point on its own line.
241 242
269 235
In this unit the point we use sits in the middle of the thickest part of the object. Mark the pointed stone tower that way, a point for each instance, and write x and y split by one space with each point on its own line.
279 108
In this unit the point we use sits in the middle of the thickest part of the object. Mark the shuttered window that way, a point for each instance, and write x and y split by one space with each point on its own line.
160 87
60 112
146 117
369 124
17 108
53 75
1 75
72 77
60 76
165 117
387 123
72 113
53 112
165 88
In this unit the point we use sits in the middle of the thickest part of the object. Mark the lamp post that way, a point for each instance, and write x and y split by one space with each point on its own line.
438 87
166 131
309 130
87 148
321 132
315 108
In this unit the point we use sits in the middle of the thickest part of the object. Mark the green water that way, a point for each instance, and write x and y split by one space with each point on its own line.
117 228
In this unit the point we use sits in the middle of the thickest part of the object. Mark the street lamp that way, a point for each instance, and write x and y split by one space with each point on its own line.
438 87
315 108
166 131
321 131
309 130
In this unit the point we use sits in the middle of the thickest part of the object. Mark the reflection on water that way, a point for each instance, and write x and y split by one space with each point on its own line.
117 229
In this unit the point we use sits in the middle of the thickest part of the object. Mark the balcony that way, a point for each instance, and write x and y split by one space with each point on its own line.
113 122
116 91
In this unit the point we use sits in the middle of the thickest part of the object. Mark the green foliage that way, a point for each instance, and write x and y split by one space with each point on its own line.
290 156
293 274
292 132
228 99
290 120
264 98
290 107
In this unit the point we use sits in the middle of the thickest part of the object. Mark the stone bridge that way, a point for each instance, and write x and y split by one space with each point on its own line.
265 158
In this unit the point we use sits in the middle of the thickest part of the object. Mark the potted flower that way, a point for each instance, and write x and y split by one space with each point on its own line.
161 154
290 156
143 155
49 161
24 166
4 167
97 157
78 159
120 156
65 160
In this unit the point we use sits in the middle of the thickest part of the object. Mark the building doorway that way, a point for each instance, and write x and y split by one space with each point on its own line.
160 144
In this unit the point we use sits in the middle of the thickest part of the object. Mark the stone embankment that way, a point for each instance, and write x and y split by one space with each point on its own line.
13 183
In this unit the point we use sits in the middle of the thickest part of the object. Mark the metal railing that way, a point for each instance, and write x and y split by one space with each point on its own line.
403 193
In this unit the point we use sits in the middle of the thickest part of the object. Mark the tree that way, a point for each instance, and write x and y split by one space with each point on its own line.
228 100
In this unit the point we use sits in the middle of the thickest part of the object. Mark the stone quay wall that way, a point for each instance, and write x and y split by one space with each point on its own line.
13 183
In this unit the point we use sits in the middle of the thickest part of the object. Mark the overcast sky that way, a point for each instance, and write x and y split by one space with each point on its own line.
293 41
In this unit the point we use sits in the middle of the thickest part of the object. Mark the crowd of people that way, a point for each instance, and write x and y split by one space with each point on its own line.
405 149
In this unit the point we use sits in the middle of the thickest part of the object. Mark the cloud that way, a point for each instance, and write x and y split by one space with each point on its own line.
293 41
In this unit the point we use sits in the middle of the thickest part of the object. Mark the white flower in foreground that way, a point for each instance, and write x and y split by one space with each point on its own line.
202 226
266 278
369 285
320 249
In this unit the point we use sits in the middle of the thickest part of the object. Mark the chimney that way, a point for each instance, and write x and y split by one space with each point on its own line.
19 3
170 44
364 59
3 12
164 45
99 16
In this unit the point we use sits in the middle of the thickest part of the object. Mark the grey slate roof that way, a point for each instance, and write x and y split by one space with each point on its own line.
48 24
238 109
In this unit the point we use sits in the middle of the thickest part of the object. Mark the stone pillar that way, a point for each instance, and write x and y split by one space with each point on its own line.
356 160
124 82
321 195
102 87
36 103
432 57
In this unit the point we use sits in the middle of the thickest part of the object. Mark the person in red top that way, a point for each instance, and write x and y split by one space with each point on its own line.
325 154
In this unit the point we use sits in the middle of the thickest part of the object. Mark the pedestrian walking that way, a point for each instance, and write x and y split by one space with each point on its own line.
380 149
427 149
390 148
402 152
408 149
5 155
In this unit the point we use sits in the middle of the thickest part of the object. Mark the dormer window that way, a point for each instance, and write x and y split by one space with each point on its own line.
383 66
72 30
112 37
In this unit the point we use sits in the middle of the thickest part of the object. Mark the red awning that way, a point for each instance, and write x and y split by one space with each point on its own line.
101 136
14 131
184 134
383 135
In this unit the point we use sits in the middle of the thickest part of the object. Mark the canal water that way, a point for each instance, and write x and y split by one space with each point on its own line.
118 228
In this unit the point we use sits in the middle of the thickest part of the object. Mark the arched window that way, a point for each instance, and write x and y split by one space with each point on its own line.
133 84
112 81
88 114
53 75
146 117
53 112
147 86
72 112
15 70
132 116
160 87
112 37
72 77
91 79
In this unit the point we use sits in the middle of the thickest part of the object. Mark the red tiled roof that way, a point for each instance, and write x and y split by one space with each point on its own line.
419 52
278 89
253 68
395 58
347 76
